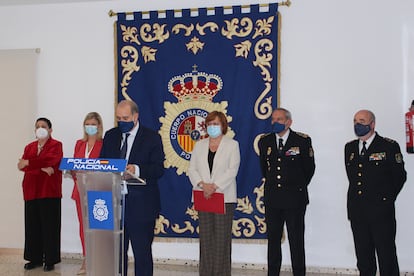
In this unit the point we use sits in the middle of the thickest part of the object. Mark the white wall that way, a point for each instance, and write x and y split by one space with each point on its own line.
337 57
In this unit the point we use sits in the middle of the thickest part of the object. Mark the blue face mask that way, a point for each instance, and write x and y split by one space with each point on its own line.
125 126
214 131
362 130
91 129
278 127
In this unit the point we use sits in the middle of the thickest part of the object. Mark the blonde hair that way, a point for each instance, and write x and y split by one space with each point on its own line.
97 117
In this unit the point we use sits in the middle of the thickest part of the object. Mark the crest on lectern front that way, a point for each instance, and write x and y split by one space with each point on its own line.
100 210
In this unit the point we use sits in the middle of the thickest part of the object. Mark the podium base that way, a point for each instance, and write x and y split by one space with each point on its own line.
102 252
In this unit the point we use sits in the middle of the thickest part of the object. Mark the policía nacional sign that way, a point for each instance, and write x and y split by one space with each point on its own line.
93 164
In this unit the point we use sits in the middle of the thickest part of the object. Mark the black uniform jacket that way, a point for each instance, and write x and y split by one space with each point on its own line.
375 179
288 173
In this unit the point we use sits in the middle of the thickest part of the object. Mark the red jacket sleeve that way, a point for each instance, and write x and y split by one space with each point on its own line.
50 156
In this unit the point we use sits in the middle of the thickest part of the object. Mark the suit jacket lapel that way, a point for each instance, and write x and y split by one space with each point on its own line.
372 147
289 142
137 142
82 149
273 146
218 155
355 148
119 140
95 150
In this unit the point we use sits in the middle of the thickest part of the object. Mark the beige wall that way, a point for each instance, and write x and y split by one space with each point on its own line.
18 73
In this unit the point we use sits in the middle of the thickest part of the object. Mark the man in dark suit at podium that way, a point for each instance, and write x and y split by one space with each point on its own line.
142 148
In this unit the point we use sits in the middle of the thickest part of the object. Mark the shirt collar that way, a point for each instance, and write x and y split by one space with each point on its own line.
369 141
284 137
133 132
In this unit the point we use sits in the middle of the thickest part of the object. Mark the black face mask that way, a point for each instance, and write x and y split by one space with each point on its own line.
362 130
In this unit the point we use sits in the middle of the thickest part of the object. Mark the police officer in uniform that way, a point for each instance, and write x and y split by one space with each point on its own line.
376 174
287 165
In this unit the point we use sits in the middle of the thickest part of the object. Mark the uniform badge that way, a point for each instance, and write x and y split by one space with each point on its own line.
398 157
269 150
351 157
378 156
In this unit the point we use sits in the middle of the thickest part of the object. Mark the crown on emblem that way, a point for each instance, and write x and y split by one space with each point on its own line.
198 86
99 201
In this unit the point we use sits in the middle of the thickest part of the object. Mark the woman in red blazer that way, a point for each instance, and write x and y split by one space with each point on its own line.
87 147
42 193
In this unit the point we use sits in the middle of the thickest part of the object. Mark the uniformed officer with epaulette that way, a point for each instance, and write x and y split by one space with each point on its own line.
376 174
287 165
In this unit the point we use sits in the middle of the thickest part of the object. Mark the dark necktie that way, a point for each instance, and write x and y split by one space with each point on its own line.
280 148
364 148
124 147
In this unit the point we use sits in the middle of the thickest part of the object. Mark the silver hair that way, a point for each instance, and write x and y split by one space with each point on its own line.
372 115
287 112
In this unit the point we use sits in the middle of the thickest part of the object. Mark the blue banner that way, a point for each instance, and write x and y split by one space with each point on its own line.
179 65
100 210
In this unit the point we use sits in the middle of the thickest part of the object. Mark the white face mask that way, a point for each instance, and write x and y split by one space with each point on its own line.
41 133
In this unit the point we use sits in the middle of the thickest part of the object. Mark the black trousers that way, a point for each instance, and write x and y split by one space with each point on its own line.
42 230
295 224
376 236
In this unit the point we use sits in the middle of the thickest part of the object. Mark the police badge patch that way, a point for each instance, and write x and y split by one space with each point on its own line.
311 153
398 157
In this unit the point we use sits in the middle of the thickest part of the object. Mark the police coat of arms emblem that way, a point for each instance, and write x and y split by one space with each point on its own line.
183 124
100 210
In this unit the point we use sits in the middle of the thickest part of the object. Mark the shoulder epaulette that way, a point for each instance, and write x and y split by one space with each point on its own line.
352 141
265 135
389 140
304 135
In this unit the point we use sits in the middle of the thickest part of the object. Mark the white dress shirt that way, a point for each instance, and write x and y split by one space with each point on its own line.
130 141
369 141
284 138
